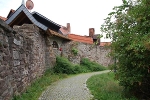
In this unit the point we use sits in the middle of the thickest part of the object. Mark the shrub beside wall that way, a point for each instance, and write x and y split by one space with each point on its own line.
63 65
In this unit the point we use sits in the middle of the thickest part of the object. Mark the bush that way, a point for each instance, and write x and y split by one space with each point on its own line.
130 34
92 66
80 69
63 66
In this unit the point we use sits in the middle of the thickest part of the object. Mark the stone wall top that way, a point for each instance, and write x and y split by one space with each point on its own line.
5 26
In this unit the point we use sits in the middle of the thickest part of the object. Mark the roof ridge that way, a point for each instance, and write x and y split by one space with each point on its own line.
45 18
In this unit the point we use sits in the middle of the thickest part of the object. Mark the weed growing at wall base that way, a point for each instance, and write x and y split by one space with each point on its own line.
74 51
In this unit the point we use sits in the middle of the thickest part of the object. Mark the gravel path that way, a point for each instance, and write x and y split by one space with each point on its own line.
72 88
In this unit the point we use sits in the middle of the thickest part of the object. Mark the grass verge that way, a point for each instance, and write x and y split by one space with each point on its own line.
104 87
34 91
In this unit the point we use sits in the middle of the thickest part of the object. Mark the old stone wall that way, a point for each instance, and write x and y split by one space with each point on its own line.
26 51
53 51
93 52
22 58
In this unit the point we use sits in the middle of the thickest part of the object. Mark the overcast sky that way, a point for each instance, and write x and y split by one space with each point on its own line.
81 14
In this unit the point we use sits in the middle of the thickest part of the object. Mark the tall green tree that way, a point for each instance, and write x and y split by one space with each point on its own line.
129 28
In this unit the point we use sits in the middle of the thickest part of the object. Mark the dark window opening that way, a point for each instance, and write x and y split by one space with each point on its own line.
55 44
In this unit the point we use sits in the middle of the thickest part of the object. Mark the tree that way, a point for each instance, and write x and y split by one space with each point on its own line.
129 28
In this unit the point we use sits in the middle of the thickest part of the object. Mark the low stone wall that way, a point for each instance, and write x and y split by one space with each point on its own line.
92 52
22 59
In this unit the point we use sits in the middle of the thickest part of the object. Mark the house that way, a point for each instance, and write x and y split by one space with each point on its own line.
92 38
23 16
74 37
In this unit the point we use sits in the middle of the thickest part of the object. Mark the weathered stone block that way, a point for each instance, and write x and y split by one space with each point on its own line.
1 48
6 58
16 62
2 82
17 42
1 36
6 39
5 45
6 51
3 90
5 62
2 68
16 55
1 57
7 96
22 63
9 72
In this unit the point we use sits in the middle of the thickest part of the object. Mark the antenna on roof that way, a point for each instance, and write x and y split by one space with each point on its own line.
22 2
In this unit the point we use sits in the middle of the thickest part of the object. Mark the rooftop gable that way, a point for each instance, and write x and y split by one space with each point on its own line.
17 13
22 15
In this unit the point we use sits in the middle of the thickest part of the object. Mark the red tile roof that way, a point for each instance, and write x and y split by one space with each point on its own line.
79 38
3 18
105 43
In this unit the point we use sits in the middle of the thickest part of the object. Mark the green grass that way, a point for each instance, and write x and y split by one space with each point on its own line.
34 91
104 87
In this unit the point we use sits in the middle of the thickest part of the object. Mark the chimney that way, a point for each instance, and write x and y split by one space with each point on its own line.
91 32
68 28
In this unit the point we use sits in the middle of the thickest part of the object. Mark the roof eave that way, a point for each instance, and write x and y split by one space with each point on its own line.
49 31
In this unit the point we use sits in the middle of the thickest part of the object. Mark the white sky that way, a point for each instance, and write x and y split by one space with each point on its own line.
81 14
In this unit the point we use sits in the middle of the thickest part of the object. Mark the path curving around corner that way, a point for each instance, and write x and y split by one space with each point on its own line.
72 88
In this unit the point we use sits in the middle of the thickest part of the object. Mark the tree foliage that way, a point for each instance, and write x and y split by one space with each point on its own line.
129 28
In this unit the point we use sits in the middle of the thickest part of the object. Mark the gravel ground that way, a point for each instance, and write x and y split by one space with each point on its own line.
72 88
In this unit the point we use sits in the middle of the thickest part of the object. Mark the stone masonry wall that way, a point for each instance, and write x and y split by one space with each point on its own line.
22 58
51 52
93 52
26 51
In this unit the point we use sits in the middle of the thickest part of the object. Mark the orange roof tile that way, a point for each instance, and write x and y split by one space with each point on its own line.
3 18
79 38
105 43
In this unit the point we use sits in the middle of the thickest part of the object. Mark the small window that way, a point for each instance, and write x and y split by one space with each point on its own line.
55 44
